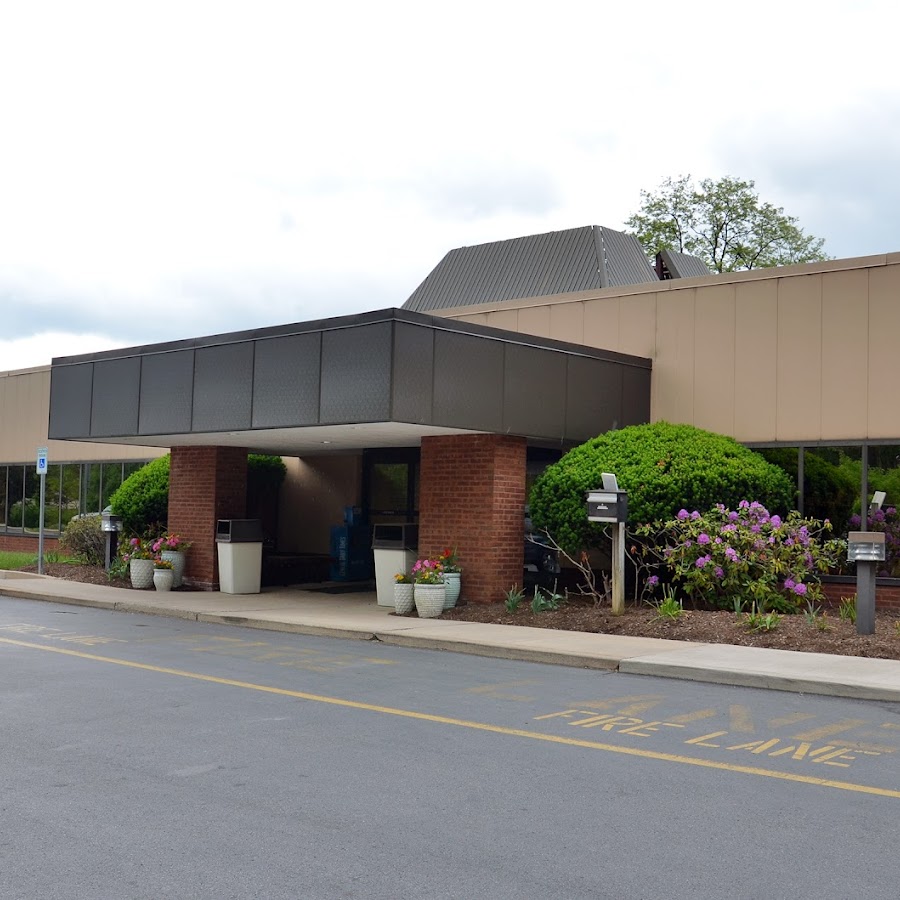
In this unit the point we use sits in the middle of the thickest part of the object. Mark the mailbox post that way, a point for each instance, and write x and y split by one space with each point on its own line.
610 505
865 548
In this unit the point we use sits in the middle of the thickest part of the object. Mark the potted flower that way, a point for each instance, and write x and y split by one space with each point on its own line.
403 594
172 547
138 555
452 572
163 574
429 588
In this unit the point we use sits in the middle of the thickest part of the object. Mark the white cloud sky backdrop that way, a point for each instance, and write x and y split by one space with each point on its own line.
176 169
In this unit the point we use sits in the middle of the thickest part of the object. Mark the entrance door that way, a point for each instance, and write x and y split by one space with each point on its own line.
391 485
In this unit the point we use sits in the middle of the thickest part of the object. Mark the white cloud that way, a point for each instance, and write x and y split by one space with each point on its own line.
198 167
38 349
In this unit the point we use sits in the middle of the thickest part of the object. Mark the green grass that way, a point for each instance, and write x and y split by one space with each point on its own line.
14 559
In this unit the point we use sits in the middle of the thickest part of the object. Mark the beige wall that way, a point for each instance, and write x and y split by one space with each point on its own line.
802 353
313 497
24 417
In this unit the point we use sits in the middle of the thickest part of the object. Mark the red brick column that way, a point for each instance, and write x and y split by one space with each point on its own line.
205 484
472 497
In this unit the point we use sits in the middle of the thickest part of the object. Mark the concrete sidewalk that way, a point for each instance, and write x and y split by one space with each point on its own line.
358 616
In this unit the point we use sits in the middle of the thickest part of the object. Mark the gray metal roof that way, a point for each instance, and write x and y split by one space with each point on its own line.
681 265
559 262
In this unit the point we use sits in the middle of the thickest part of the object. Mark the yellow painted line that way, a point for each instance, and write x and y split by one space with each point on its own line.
697 716
741 719
790 719
827 731
477 726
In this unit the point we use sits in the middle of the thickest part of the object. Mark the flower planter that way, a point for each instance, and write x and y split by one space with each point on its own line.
451 585
404 601
176 557
163 579
429 600
141 572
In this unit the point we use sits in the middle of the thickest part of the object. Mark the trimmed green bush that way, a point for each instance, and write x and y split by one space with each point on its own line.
83 539
142 500
663 467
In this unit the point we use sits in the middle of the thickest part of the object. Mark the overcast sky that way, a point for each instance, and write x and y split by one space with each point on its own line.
178 169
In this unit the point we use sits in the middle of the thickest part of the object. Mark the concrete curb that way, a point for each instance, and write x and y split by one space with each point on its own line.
782 670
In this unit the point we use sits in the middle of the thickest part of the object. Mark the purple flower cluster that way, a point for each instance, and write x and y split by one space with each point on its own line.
723 554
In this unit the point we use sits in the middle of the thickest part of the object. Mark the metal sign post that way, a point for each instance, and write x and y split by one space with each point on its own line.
865 548
618 569
611 506
42 474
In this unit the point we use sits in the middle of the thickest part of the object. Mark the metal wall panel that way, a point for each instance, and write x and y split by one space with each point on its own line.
115 397
413 387
286 381
356 374
534 392
468 382
635 395
593 397
70 401
223 387
167 390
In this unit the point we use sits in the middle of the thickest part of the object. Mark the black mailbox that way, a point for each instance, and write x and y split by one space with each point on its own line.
239 531
607 506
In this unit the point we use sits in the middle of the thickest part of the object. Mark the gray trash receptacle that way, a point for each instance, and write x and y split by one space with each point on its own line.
395 548
239 548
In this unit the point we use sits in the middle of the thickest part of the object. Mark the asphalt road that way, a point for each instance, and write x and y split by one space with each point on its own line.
156 758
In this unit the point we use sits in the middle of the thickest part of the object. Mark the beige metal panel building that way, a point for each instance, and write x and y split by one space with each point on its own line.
800 354
24 416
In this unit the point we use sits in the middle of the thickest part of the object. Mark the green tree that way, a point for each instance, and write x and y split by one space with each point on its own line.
722 222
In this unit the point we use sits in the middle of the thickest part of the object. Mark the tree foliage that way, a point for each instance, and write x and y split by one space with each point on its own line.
722 222
663 467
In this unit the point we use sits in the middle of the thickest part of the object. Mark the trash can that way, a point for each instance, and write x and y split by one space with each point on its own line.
395 548
239 548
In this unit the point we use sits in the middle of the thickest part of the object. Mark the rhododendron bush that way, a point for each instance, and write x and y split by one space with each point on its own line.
745 555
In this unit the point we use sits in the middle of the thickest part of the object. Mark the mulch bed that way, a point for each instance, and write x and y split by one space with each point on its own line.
793 632
88 575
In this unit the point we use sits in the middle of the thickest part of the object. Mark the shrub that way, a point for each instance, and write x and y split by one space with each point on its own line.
663 467
747 554
142 500
83 538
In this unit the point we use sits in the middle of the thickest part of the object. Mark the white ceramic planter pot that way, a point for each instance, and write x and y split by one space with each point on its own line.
163 579
141 572
451 593
429 600
404 601
176 557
